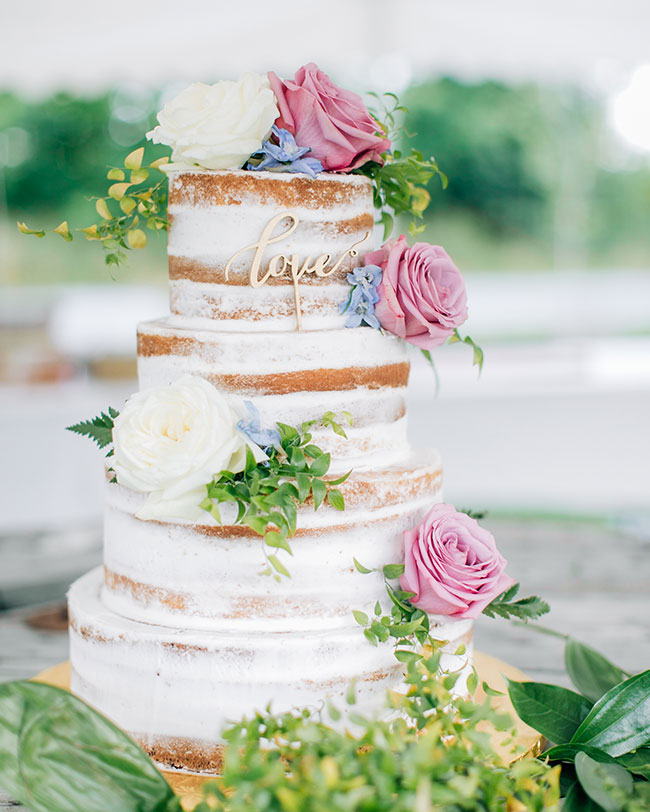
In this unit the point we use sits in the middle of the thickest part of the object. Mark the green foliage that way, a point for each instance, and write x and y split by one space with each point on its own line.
478 356
591 673
140 203
524 609
266 494
99 429
601 738
432 754
58 755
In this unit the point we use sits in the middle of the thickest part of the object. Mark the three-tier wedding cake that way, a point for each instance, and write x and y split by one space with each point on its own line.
278 287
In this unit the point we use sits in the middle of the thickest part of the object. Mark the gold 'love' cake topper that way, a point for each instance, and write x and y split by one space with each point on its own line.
281 263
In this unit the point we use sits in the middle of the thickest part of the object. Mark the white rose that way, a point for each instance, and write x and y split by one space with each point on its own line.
169 442
217 126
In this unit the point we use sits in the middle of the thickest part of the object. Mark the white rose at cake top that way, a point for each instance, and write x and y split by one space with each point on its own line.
169 441
217 126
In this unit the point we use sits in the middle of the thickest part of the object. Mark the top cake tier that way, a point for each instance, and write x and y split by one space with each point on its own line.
265 251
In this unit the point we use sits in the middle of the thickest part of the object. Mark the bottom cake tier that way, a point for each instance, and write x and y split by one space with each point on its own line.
174 690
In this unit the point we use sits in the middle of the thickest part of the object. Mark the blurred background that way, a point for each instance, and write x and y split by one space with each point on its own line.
539 114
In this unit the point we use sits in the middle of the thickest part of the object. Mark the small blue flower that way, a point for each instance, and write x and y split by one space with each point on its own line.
265 438
285 156
368 276
361 309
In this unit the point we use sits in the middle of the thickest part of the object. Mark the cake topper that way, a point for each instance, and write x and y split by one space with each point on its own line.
291 264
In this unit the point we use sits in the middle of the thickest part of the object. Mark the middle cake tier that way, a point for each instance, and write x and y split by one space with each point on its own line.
207 576
294 377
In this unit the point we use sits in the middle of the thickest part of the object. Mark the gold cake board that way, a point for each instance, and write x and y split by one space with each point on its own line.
489 669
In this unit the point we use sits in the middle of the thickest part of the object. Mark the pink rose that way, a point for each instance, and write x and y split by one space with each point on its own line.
333 122
452 565
422 294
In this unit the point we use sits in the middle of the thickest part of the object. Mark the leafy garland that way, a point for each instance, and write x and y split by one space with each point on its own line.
142 200
409 627
267 493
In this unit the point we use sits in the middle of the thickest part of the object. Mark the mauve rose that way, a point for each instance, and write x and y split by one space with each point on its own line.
333 122
452 565
422 296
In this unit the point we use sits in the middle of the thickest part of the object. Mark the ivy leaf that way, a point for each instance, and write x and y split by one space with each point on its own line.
99 429
608 785
620 721
555 712
591 673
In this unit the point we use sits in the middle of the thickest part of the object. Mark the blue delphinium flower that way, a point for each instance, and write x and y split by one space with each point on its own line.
363 297
265 438
285 156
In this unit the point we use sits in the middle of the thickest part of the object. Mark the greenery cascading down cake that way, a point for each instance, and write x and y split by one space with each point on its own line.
260 486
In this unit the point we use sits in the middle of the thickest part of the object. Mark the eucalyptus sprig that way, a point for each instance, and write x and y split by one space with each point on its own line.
142 201
266 494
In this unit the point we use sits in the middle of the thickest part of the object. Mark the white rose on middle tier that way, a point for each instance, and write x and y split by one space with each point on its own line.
169 442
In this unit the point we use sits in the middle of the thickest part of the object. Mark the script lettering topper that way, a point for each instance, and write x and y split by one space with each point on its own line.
281 263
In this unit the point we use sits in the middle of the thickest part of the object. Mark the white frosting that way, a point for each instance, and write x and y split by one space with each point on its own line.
155 681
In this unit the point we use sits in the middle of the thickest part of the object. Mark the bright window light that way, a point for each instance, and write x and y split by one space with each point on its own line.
630 110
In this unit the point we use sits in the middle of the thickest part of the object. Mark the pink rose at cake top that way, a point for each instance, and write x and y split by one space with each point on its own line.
333 122
452 565
422 296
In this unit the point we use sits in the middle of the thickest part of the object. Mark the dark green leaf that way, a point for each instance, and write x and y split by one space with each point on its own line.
320 466
606 784
393 571
99 429
637 762
553 711
304 486
297 457
591 673
568 752
313 451
620 720
71 758
577 801
335 498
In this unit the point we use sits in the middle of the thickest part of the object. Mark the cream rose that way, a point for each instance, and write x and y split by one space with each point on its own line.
169 441
217 126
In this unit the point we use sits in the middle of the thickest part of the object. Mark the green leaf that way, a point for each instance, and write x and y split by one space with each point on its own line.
339 480
568 752
115 174
304 486
134 159
278 566
606 784
361 617
555 712
99 429
404 655
370 636
393 571
637 762
360 568
138 176
319 490
577 801
620 720
313 451
591 673
59 755
136 238
24 229
524 609
118 190
335 498
102 209
127 204
274 539
63 231
320 466
472 682
404 629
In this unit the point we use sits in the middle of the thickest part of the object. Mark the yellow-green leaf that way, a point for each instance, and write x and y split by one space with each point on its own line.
118 190
102 209
137 238
127 204
115 174
134 159
91 233
24 229
157 164
139 175
63 231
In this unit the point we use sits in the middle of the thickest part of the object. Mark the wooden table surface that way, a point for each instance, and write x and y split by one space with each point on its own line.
595 576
